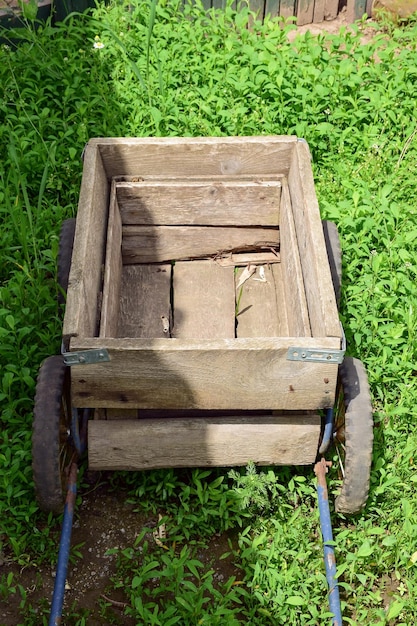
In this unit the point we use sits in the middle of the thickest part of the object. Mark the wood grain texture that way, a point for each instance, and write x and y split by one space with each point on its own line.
248 258
305 10
287 8
84 287
170 157
150 444
331 8
319 10
200 203
204 300
355 9
262 309
145 307
293 282
322 308
148 244
112 271
247 374
272 8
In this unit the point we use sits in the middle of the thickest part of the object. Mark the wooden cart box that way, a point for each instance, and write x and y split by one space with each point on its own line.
165 229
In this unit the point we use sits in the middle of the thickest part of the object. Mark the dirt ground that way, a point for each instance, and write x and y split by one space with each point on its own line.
104 521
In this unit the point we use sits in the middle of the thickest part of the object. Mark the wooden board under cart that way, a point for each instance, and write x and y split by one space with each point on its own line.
200 369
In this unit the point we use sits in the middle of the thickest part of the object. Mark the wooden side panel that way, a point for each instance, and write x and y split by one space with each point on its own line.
322 308
200 203
262 310
331 8
149 444
84 288
145 308
148 244
293 282
173 157
113 271
204 300
247 374
319 9
305 11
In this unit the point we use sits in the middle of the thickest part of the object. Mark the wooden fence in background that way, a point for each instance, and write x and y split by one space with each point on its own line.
306 11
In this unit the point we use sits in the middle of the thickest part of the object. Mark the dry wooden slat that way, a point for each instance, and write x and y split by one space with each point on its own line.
272 8
248 258
84 287
287 8
331 8
305 9
292 276
322 308
248 374
113 271
171 157
145 308
319 11
355 9
262 310
204 302
147 244
150 444
200 203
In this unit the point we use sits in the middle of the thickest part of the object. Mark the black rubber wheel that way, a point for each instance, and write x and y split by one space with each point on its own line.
52 448
66 244
353 437
334 253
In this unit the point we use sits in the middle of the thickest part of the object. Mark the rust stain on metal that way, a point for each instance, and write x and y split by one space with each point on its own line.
320 470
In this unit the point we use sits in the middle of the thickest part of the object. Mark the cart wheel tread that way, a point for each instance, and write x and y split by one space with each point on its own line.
334 253
358 435
51 447
66 244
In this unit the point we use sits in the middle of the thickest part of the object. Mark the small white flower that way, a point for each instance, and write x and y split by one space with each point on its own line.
98 45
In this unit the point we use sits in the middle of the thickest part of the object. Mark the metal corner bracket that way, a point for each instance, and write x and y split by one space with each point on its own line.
86 357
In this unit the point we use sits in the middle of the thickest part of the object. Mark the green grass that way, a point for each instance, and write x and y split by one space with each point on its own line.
164 70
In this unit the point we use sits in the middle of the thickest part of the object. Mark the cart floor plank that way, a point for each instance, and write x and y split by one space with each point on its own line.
150 244
204 302
262 310
211 203
112 271
145 308
153 443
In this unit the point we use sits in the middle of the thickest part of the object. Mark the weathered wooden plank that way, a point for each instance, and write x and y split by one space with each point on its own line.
292 276
262 310
322 308
331 9
355 10
257 7
287 8
249 374
170 157
145 308
113 271
200 203
319 11
248 258
150 444
147 244
305 9
84 287
204 300
272 8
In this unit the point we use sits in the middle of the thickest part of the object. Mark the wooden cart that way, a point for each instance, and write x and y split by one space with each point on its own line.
182 361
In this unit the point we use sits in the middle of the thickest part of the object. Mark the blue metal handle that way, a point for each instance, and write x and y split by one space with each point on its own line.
320 470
